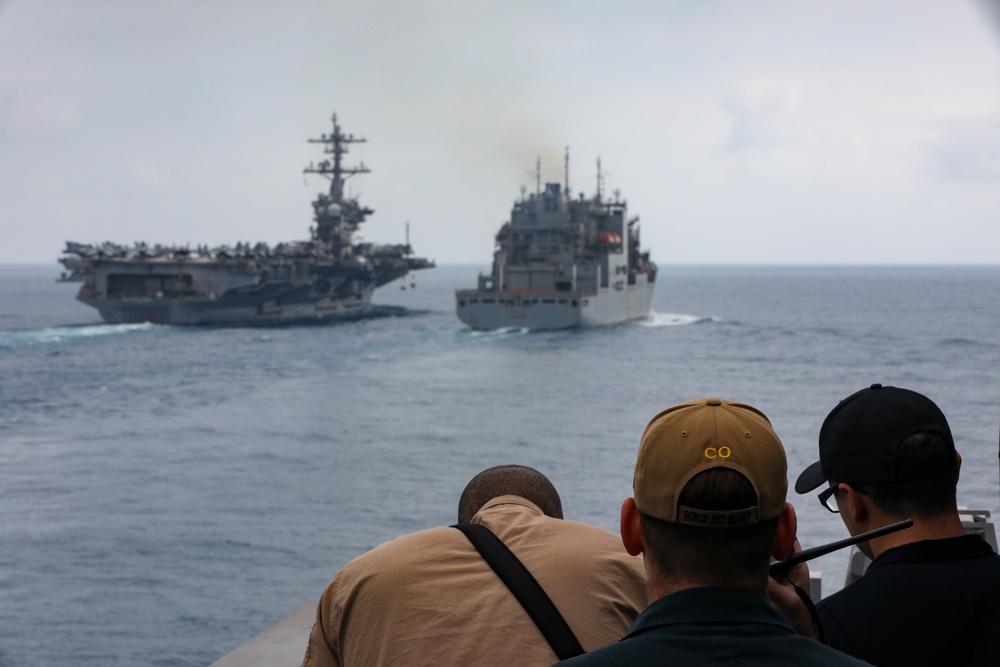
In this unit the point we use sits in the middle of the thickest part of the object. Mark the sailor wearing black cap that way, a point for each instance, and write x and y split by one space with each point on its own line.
932 593
708 512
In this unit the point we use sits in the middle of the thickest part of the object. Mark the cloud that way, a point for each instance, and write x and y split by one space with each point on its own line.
969 151
758 124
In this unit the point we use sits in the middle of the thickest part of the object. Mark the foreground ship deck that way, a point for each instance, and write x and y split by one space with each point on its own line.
561 263
330 276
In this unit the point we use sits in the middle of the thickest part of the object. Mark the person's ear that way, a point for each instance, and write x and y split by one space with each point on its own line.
631 528
958 465
784 540
855 505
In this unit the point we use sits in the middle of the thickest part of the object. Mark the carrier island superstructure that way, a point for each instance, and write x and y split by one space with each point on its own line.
329 276
563 262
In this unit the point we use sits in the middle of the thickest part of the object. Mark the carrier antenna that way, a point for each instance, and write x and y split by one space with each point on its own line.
566 171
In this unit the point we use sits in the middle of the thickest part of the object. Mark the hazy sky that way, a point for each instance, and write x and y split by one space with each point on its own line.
739 131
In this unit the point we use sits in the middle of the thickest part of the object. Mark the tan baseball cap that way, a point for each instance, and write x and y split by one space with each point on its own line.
703 434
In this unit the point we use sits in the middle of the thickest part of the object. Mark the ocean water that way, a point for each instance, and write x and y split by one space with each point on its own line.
168 493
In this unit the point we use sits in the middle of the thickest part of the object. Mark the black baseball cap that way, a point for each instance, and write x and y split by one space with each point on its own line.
858 439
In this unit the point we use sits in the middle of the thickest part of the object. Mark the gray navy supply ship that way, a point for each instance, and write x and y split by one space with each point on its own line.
329 276
561 263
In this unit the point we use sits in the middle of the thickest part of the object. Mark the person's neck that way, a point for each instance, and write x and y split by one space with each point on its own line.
938 527
659 587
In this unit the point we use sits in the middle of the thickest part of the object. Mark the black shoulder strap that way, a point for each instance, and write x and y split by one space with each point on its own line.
525 588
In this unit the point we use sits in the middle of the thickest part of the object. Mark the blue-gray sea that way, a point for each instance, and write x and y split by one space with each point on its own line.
168 493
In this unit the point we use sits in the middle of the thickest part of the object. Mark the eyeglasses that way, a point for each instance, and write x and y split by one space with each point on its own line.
828 499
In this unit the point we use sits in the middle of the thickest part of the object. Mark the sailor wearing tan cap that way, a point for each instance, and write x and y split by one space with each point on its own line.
708 513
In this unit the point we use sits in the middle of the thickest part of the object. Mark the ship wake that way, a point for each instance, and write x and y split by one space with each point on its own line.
656 319
67 334
498 333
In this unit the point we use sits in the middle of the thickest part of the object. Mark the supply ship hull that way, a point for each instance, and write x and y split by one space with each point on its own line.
549 310
561 263
329 276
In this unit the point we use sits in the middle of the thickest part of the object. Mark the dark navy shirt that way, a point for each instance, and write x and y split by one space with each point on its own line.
935 602
713 626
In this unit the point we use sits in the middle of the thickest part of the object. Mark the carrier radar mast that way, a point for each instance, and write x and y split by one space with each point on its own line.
337 217
336 145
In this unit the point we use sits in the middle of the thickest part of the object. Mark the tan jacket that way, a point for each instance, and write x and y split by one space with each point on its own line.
429 598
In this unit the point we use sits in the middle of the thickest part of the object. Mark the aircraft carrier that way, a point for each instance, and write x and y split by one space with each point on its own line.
563 262
329 276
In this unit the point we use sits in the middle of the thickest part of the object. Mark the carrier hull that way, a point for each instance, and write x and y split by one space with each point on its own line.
290 307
